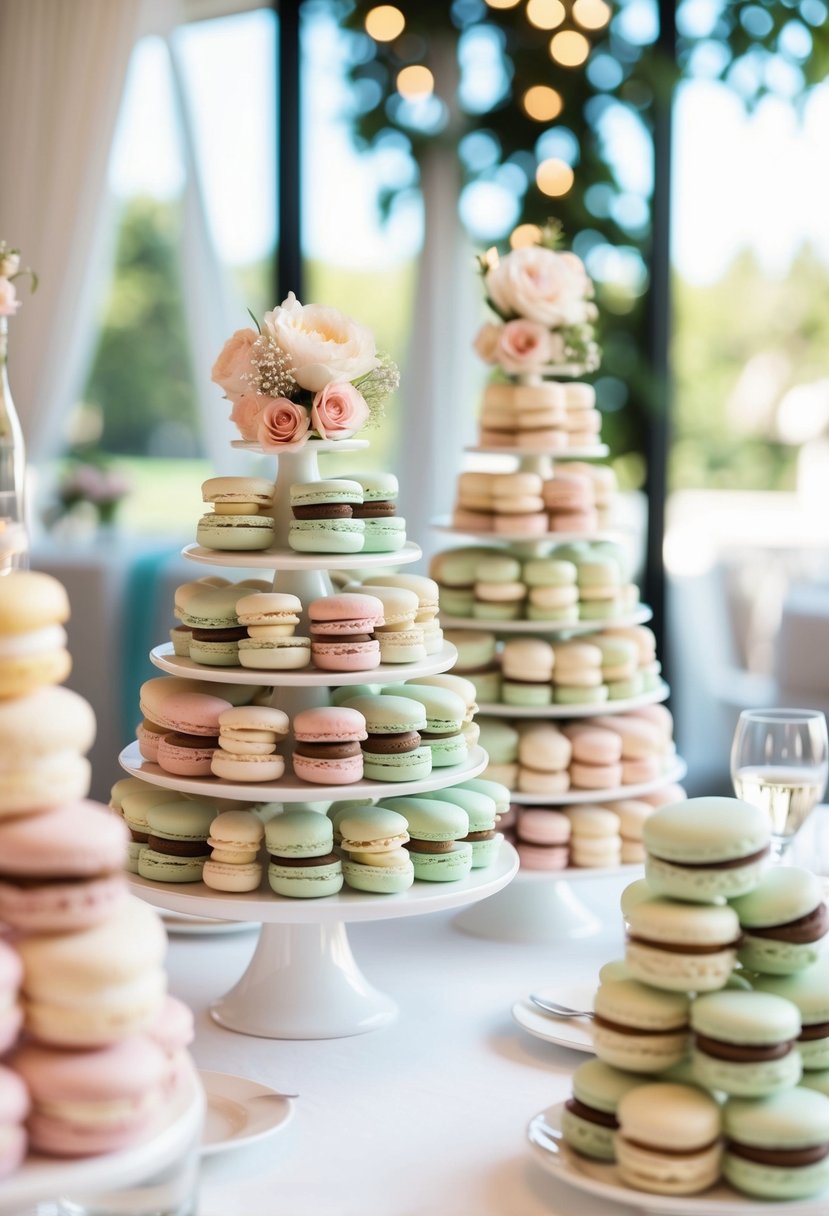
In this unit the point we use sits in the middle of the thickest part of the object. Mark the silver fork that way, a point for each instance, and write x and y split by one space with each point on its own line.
559 1011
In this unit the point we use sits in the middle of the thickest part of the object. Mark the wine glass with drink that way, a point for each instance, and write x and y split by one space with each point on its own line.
780 763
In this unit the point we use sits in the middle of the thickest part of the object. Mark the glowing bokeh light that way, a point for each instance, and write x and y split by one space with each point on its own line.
569 48
542 103
415 81
554 177
385 23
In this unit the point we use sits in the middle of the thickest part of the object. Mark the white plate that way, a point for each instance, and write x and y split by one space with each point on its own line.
637 616
163 656
288 559
290 789
598 1178
240 1111
313 445
499 710
594 452
675 772
184 925
521 538
564 1032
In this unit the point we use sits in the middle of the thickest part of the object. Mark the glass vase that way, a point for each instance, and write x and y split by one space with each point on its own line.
13 538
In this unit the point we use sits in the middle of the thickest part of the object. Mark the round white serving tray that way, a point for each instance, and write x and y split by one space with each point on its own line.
498 709
288 559
637 616
165 658
674 772
594 451
290 789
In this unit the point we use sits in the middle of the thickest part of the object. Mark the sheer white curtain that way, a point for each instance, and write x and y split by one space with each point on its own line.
62 69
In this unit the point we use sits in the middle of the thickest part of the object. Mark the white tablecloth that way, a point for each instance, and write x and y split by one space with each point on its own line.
425 1116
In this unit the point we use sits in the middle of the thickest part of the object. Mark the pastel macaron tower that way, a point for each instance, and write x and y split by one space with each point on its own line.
81 961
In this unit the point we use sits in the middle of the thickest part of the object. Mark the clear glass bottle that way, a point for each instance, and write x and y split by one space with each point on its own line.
13 538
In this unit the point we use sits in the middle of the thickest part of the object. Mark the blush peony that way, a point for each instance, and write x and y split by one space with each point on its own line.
321 344
524 346
233 371
540 285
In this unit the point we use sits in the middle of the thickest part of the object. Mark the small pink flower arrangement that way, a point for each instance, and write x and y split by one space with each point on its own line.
9 271
543 299
309 372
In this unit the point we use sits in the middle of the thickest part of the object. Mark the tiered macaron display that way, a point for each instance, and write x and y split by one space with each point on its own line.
579 581
552 415
705 1071
578 498
82 982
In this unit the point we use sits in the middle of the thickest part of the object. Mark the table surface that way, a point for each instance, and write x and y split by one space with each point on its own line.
425 1116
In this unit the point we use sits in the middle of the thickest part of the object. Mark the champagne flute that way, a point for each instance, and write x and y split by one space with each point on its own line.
780 763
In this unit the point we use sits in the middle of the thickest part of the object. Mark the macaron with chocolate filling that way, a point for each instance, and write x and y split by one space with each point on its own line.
135 803
704 848
385 530
669 1140
323 517
809 990
327 749
482 814
392 750
436 838
589 1121
745 1043
303 864
177 845
215 630
373 839
778 1148
784 920
639 1028
341 632
682 947
445 712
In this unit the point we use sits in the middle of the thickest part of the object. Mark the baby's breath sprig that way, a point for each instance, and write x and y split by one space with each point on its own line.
274 374
377 385
552 235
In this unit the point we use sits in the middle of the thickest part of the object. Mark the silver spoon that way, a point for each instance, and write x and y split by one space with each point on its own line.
559 1011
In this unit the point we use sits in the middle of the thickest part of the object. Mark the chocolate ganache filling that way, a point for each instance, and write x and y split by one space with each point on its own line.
787 1158
732 863
743 1053
809 928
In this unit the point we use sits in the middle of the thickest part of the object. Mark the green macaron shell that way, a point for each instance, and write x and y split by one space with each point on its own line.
623 690
443 867
431 818
529 695
389 715
324 493
817 1079
787 1121
601 1087
377 487
599 610
162 867
405 766
487 685
444 709
485 611
386 535
745 1019
549 572
784 894
180 820
234 532
134 850
456 602
326 535
702 830
299 834
481 810
377 880
575 695
213 608
499 740
348 692
499 793
587 1138
648 1027
641 1007
808 989
214 654
306 882
446 752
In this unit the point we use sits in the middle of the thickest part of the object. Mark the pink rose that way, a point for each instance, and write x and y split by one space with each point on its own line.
338 411
234 364
282 424
246 412
524 346
9 302
486 342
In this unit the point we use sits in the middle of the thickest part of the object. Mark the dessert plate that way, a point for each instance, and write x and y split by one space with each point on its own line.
602 1179
586 710
239 1112
204 926
564 1032
635 616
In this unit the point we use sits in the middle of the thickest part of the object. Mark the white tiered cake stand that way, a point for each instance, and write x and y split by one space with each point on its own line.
540 906
303 981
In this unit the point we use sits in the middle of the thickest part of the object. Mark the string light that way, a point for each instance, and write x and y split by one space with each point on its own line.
545 14
415 81
542 103
569 48
385 23
554 177
524 235
591 14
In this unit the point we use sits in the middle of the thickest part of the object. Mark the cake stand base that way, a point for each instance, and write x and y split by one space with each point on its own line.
303 983
534 908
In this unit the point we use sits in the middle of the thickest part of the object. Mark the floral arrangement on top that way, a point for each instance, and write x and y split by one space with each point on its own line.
544 299
10 269
307 372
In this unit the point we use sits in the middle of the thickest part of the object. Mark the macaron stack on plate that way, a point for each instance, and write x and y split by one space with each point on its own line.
392 748
248 739
400 638
239 519
778 1148
445 713
384 530
324 519
327 750
436 843
303 864
745 1043
669 1139
428 599
270 642
342 628
177 840
376 860
233 865
683 947
595 840
215 631
589 1119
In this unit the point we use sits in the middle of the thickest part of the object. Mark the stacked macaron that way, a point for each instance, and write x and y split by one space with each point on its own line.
180 730
482 815
180 635
570 501
392 745
347 515
525 504
375 859
384 531
437 841
551 415
585 836
342 632
445 713
477 661
400 638
248 738
544 754
303 864
270 641
233 865
428 600
464 689
239 519
214 629
327 747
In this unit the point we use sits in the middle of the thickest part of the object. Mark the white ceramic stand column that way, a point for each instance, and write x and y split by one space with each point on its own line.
534 909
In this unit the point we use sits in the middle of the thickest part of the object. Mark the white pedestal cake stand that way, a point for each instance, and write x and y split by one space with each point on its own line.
303 982
537 906
44 1180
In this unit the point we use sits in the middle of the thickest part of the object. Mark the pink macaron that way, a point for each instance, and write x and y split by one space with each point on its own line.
118 1088
14 1107
593 745
62 870
472 521
327 750
568 492
149 735
173 1031
187 755
574 521
595 776
11 1011
532 524
341 629
642 770
542 837
665 796
188 706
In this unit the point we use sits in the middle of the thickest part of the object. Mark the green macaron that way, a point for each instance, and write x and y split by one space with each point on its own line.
436 830
326 535
745 1043
303 864
588 1122
376 861
445 712
215 634
808 989
482 814
229 533
704 848
784 921
499 740
778 1148
499 793
393 750
177 847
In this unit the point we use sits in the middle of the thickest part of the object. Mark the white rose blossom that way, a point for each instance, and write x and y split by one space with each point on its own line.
540 285
321 344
